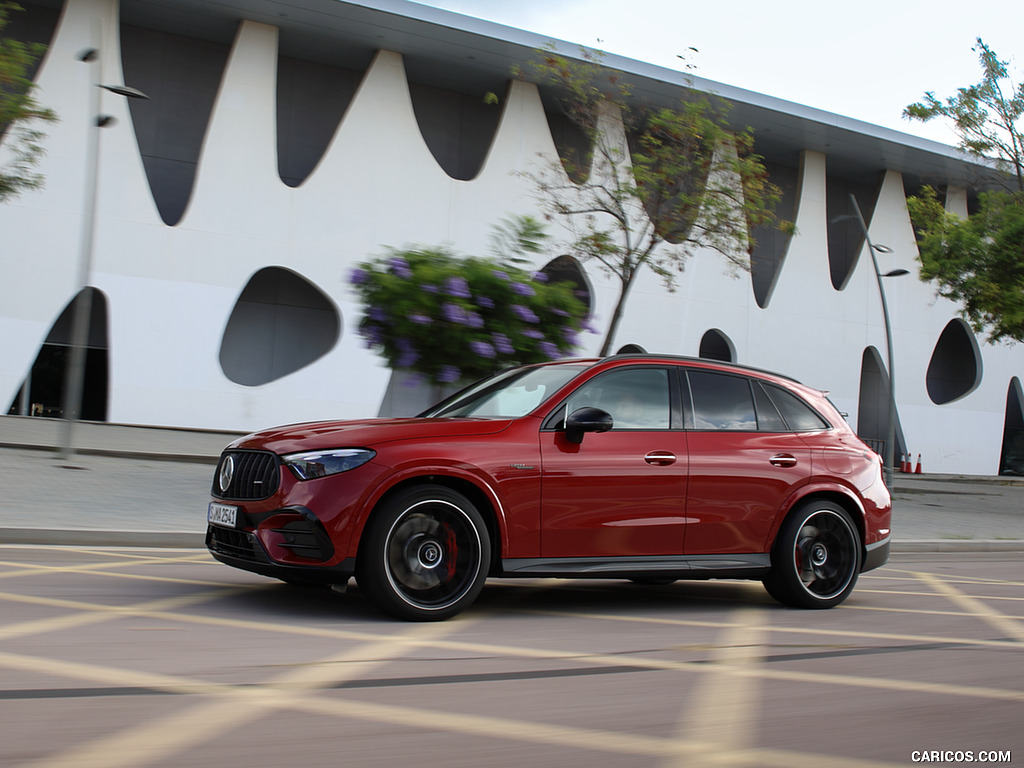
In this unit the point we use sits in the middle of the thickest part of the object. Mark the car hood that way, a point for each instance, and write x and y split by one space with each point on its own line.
364 433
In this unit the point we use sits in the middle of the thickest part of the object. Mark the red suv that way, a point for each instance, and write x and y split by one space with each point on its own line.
641 467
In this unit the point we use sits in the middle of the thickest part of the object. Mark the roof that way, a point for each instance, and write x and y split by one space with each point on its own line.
460 53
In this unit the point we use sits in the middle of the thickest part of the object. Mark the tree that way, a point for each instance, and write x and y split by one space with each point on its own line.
19 112
658 184
979 261
984 115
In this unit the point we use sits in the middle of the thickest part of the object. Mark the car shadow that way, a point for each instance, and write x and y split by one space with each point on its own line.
275 600
585 595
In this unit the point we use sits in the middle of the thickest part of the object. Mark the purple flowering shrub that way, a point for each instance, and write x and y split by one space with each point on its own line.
452 319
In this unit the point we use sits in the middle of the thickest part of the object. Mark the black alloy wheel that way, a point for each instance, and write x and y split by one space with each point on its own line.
816 558
425 554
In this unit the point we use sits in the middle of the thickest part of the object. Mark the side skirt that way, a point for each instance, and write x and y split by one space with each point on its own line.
751 566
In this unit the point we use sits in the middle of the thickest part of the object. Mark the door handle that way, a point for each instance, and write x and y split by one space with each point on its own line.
660 458
782 460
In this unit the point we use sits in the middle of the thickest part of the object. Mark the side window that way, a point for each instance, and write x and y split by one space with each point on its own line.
721 402
799 415
637 398
768 418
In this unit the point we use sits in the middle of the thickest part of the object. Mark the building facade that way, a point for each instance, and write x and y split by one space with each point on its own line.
278 147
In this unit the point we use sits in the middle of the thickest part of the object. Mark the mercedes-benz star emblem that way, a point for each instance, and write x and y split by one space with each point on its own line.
227 471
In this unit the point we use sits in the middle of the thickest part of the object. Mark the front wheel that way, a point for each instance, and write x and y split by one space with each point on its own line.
816 558
425 554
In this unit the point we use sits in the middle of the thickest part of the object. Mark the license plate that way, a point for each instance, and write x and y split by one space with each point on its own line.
222 514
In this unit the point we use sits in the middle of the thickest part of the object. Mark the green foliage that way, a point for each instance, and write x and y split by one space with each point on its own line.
985 116
452 319
19 111
978 261
684 179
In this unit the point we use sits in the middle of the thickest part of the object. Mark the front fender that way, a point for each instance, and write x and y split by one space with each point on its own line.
407 475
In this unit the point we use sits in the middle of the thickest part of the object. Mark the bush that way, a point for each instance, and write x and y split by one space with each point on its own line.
459 319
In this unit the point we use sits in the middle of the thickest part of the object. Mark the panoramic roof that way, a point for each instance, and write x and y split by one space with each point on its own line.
448 50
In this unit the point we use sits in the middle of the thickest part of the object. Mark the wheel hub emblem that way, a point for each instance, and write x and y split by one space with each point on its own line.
819 554
430 554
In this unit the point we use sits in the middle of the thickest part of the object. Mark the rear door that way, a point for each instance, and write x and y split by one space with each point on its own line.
745 462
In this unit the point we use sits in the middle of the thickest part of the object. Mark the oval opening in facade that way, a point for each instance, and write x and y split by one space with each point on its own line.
955 367
280 323
565 269
715 345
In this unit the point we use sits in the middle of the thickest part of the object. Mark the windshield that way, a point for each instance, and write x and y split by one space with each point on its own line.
507 395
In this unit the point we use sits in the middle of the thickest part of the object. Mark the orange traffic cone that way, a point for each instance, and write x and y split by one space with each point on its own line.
918 470
903 463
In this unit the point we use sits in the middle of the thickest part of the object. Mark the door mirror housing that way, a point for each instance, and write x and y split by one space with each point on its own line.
584 420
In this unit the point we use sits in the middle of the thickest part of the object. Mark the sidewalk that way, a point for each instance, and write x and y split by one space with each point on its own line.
149 486
124 485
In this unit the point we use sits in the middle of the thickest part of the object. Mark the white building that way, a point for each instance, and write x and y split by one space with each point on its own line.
283 143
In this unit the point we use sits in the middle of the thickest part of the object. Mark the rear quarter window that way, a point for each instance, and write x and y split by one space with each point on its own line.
798 415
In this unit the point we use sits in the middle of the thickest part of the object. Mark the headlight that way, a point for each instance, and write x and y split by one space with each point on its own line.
307 466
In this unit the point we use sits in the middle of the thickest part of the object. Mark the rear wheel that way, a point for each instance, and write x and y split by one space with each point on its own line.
816 558
425 554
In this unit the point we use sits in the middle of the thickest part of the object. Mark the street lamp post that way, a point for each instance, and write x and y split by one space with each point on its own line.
81 318
890 440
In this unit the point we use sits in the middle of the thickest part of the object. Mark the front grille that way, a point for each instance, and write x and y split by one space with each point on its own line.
239 544
256 475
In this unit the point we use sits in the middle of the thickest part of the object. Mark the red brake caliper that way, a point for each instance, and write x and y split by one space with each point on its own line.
451 551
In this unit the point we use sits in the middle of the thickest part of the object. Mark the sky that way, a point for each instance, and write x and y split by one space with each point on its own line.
866 60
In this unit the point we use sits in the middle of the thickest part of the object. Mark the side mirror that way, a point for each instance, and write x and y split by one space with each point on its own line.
584 420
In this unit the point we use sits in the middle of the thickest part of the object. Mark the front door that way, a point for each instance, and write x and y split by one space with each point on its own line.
621 492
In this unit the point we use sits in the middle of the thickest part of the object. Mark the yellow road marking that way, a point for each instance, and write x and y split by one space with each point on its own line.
724 708
96 613
640 663
161 738
912 576
908 593
920 611
817 632
148 553
991 616
99 569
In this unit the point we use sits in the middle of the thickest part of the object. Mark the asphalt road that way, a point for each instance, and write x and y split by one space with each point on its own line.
163 657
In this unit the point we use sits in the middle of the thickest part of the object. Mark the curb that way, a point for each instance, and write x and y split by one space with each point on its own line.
196 540
959 545
102 538
110 453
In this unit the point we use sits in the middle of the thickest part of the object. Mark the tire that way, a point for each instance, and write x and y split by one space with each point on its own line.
425 554
816 558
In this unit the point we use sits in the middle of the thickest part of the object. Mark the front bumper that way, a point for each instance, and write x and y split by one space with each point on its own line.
243 549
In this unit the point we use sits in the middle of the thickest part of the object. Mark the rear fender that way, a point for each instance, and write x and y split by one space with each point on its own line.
840 494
